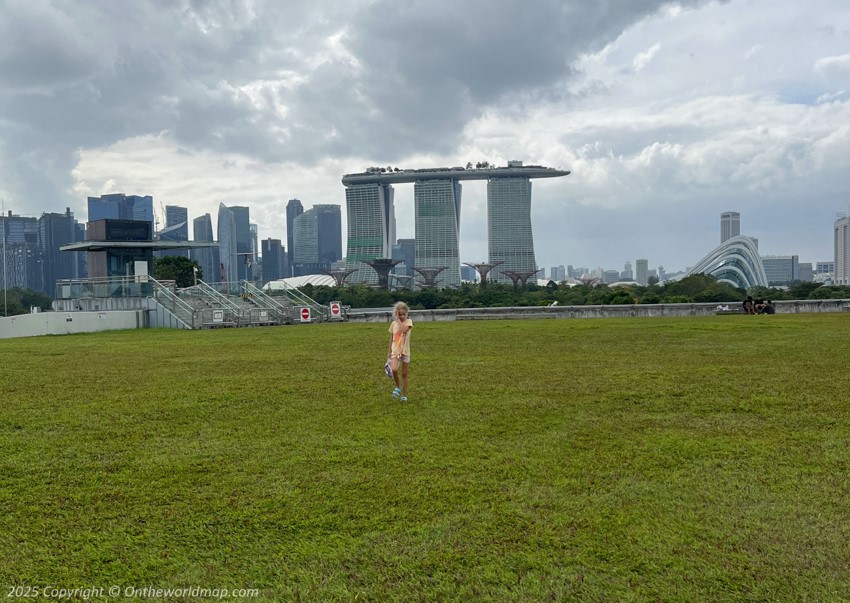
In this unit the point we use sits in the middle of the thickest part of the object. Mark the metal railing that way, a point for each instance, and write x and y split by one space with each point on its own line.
318 311
110 287
169 300
232 311
281 313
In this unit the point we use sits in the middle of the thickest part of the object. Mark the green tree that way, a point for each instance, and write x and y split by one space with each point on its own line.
177 269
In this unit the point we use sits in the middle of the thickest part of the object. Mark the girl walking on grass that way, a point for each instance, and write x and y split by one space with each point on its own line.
399 350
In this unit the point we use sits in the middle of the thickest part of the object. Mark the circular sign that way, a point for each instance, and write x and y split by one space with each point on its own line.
335 309
305 313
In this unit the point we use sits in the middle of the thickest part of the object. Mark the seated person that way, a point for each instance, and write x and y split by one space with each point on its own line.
759 306
748 305
769 308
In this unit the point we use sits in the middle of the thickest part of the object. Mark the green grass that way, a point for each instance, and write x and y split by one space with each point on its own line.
700 459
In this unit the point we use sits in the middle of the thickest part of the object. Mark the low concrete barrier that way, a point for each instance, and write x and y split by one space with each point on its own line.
64 323
619 311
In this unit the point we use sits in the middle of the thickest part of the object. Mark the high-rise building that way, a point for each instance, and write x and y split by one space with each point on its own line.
274 259
437 196
558 274
55 230
293 210
405 250
228 258
208 259
437 207
806 273
242 217
509 226
627 274
176 229
781 269
370 213
118 206
305 243
730 225
317 239
21 253
841 273
642 272
329 219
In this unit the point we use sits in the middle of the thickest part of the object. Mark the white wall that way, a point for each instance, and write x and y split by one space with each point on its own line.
64 323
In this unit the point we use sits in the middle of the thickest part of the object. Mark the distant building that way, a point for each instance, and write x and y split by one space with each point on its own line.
317 239
55 230
437 207
806 272
730 225
208 259
781 269
405 250
176 229
841 273
827 267
610 276
244 245
627 274
274 259
370 217
329 222
642 272
468 274
509 235
118 206
557 274
228 258
21 253
736 262
293 210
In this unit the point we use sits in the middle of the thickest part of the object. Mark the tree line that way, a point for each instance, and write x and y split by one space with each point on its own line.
695 288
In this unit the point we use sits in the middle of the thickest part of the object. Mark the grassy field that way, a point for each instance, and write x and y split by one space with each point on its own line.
700 459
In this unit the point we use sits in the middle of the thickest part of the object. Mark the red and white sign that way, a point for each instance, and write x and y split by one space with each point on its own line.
305 314
336 310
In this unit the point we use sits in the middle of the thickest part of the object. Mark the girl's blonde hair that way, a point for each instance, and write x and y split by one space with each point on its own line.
400 306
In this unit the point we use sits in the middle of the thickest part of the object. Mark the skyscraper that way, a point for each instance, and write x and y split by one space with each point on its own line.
437 207
642 272
509 226
273 259
730 225
208 258
118 206
842 251
293 210
244 252
228 260
21 252
55 230
317 239
329 218
370 211
176 229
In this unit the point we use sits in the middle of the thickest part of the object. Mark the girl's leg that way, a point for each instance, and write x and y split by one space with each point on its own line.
404 367
394 366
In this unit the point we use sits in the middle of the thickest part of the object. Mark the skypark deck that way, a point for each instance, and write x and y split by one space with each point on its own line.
455 173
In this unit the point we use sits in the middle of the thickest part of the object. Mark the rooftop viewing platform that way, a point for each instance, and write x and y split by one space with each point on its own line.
514 169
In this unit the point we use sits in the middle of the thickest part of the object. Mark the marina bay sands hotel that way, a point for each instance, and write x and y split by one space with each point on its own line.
436 196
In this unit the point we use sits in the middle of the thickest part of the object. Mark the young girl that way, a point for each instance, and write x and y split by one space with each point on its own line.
399 350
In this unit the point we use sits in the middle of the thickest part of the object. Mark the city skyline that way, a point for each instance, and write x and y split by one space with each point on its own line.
666 114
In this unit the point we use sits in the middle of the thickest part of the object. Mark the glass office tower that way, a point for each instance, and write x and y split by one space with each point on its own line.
509 226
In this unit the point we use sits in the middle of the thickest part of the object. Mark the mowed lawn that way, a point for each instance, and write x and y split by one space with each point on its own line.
698 459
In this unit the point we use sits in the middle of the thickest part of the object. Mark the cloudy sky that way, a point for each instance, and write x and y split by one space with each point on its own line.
667 114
